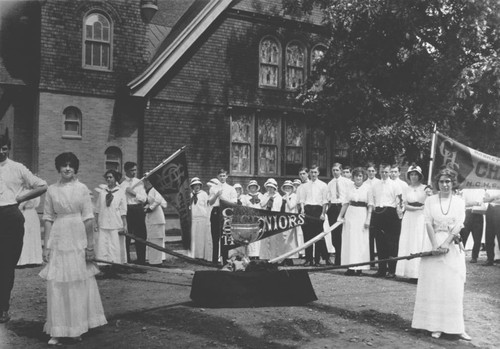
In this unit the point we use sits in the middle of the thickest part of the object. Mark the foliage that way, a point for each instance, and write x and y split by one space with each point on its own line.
395 67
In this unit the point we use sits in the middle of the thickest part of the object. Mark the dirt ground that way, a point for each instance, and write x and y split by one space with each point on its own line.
153 310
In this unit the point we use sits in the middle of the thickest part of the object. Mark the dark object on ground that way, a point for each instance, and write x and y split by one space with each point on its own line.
218 289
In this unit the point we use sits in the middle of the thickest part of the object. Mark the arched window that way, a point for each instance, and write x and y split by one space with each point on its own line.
97 32
113 160
317 54
295 65
269 62
72 123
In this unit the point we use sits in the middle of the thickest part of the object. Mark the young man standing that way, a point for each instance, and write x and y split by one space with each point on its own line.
136 198
314 203
225 192
387 196
13 177
371 170
338 188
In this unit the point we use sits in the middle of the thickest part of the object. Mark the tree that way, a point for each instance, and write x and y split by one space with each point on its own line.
393 68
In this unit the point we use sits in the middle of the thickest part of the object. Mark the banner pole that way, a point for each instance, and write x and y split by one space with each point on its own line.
433 153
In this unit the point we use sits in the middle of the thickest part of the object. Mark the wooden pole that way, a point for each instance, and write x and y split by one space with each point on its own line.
433 153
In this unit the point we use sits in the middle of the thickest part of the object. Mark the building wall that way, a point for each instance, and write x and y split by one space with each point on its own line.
100 130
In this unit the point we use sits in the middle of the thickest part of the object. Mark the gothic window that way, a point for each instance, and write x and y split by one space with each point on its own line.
294 147
319 150
268 141
295 65
241 144
269 62
317 54
72 123
113 159
340 148
97 35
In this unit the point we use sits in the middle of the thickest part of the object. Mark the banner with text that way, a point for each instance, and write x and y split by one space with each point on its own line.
172 182
242 225
475 169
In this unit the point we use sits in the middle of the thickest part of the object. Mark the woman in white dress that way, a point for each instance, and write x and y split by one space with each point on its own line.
73 301
201 238
111 218
32 242
155 224
253 199
289 205
440 288
356 215
413 238
272 246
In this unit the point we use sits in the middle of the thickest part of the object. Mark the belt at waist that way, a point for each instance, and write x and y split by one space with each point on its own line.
135 205
358 203
312 205
415 204
335 204
382 208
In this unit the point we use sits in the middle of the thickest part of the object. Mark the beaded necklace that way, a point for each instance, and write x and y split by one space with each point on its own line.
441 206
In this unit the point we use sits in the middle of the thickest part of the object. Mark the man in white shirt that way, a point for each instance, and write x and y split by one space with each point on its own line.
386 224
13 178
338 188
313 202
225 192
136 198
371 170
474 210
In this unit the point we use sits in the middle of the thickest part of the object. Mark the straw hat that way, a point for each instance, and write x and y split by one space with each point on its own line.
194 181
253 182
287 183
414 168
213 182
297 182
237 185
271 182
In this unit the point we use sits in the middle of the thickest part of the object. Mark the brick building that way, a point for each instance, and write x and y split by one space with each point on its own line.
218 76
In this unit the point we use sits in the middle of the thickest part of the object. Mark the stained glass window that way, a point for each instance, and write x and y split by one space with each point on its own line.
97 42
270 55
268 139
295 64
319 150
241 143
294 147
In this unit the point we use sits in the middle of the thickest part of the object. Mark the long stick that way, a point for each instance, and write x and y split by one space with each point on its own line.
170 252
433 153
411 256
138 267
159 166
307 244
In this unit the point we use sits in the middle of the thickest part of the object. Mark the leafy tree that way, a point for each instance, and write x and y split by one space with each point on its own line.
393 68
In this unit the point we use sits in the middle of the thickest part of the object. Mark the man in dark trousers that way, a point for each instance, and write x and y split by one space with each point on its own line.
336 196
13 178
136 198
387 197
314 203
492 226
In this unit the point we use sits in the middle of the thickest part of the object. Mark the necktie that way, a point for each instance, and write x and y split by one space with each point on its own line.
109 196
255 199
270 203
337 188
238 202
194 198
283 205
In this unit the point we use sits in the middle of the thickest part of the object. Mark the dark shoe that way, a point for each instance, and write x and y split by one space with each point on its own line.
317 264
288 263
328 262
359 273
487 263
390 276
4 317
473 260
308 264
350 272
379 275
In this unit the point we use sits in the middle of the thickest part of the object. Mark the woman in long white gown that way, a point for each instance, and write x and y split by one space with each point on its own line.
413 238
440 288
73 301
272 246
201 239
32 240
356 215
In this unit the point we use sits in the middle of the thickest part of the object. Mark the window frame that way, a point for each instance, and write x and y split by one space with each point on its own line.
279 66
279 143
304 68
71 134
326 171
251 144
303 126
95 41
120 158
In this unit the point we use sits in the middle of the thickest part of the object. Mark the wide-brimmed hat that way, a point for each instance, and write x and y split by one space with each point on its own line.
287 183
271 182
414 168
253 182
194 181
213 182
237 185
297 182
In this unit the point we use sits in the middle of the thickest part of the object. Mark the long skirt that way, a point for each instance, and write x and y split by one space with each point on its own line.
440 291
156 235
201 239
413 239
355 238
32 241
110 246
